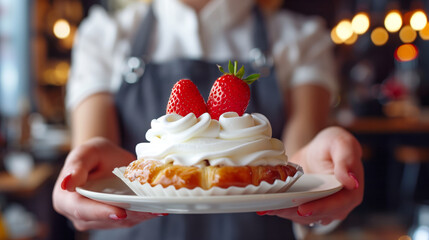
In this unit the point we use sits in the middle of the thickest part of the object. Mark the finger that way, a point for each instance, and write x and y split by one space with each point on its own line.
92 160
285 213
294 215
132 219
79 163
89 210
346 154
336 206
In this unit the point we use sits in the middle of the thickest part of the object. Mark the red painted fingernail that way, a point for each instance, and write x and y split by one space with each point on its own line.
304 214
262 213
65 182
159 214
118 217
353 176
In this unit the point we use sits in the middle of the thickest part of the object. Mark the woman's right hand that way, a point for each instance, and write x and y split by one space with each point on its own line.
94 159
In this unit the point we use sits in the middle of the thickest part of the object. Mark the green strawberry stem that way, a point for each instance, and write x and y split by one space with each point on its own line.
240 72
232 68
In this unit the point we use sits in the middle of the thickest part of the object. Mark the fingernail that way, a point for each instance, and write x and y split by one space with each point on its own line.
117 217
65 181
304 214
353 176
262 213
159 214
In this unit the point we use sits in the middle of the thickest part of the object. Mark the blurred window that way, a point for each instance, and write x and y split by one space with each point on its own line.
14 55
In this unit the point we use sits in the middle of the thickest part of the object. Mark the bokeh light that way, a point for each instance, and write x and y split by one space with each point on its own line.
360 23
56 74
334 36
344 29
407 34
404 237
351 40
418 20
61 72
393 21
424 33
379 36
61 29
406 52
67 43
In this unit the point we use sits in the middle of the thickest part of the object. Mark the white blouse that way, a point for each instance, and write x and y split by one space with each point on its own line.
300 46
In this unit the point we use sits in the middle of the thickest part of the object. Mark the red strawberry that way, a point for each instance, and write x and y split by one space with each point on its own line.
230 92
185 98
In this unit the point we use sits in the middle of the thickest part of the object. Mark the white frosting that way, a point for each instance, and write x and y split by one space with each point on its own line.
231 141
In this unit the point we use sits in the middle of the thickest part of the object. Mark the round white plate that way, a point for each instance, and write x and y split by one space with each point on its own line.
307 188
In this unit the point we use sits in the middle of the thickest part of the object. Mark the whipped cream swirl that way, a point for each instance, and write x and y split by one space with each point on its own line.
232 141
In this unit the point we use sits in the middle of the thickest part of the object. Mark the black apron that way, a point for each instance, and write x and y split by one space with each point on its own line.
143 96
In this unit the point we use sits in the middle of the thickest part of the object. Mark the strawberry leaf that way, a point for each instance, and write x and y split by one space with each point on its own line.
240 73
220 68
230 67
251 78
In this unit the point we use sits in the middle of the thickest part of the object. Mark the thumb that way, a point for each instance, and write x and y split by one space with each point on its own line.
346 155
79 164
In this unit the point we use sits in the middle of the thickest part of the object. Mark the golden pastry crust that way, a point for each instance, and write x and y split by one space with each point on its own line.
154 173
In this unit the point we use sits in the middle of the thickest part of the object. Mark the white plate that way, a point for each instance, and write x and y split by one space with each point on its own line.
308 188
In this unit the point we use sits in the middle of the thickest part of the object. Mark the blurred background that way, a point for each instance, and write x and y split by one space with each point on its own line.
382 49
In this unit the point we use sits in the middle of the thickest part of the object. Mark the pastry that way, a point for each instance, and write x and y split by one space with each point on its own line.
191 177
214 145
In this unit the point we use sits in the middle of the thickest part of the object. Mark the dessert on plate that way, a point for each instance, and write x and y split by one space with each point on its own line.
210 149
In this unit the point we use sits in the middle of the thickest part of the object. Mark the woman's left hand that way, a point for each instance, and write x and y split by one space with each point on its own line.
332 151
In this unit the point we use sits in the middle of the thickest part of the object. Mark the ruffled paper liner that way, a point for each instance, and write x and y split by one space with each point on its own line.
146 189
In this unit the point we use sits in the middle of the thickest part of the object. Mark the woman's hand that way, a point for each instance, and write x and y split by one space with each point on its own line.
332 151
93 160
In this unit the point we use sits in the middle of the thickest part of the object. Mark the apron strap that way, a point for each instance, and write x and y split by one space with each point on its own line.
260 36
136 63
142 39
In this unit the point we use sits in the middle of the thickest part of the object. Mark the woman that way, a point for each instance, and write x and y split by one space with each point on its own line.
173 39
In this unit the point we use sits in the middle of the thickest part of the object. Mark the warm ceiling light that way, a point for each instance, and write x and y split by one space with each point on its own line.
393 21
418 20
424 33
405 237
351 39
61 72
344 29
379 36
334 36
61 29
360 23
407 34
406 52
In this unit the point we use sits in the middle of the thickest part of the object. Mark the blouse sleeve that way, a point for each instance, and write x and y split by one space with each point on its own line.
91 57
304 53
99 52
